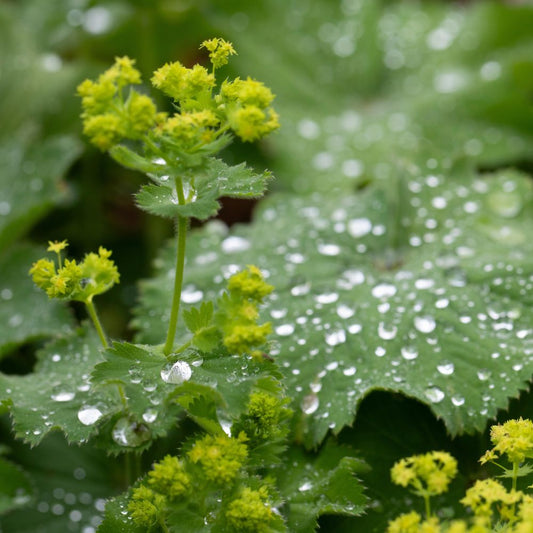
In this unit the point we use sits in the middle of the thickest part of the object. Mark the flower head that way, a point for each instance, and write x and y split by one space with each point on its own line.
56 246
182 83
220 456
168 477
514 438
250 512
430 473
219 51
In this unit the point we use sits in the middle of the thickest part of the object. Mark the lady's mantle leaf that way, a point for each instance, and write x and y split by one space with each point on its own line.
438 309
214 180
313 485
155 391
16 489
71 484
58 394
26 313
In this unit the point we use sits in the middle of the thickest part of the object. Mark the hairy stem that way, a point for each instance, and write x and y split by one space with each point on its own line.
178 278
96 321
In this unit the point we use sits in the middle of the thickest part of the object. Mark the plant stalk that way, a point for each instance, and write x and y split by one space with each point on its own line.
96 321
178 278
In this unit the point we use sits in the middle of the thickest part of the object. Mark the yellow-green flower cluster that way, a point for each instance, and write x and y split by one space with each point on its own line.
189 86
107 116
514 438
247 104
238 311
413 523
264 418
168 482
487 493
69 280
221 457
191 129
241 106
146 506
219 51
250 512
428 474
168 477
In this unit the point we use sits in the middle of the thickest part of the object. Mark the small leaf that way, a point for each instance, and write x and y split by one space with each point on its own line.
313 485
198 318
162 200
130 159
238 181
206 336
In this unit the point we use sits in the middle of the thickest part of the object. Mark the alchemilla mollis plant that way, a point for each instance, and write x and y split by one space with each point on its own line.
334 363
228 475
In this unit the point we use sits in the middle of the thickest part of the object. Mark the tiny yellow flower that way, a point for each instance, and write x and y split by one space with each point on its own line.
56 246
405 523
250 283
427 474
514 438
219 51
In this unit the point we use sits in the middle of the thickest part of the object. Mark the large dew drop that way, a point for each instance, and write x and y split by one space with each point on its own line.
434 394
425 324
63 396
130 433
177 374
446 368
88 415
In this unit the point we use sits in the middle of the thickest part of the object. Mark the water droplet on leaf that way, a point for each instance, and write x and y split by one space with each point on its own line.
129 433
177 373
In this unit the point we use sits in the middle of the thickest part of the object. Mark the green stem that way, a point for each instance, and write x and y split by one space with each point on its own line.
427 505
515 475
178 278
94 317
163 525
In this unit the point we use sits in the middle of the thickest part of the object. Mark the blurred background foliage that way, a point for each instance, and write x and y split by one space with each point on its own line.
364 88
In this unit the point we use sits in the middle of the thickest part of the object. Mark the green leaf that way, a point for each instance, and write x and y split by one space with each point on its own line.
316 484
30 182
371 295
199 321
71 485
26 313
154 401
137 370
162 200
58 392
198 318
214 180
130 159
16 489
115 520
237 181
